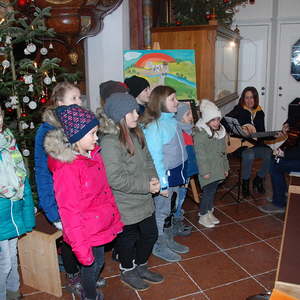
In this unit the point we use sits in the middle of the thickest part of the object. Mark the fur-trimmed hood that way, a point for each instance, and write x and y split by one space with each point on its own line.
107 126
49 116
56 145
218 134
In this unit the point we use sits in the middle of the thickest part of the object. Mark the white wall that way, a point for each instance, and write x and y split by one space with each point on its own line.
104 53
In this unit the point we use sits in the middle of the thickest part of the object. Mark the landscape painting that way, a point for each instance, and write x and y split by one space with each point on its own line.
175 68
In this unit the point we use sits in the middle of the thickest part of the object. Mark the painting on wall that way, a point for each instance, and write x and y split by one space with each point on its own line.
175 68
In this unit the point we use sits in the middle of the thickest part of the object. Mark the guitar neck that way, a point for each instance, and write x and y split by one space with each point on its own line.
263 134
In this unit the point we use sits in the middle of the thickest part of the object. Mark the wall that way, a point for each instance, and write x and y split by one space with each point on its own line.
104 53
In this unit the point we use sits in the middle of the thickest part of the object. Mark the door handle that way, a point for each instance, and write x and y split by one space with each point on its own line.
279 95
280 88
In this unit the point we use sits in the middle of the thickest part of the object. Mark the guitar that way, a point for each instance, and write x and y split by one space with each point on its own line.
250 138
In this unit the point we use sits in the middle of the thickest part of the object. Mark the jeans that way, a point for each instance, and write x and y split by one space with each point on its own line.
9 275
163 208
180 199
248 156
136 242
208 196
277 173
89 274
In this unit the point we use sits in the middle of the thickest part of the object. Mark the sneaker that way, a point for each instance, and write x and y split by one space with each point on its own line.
101 282
270 208
212 218
205 221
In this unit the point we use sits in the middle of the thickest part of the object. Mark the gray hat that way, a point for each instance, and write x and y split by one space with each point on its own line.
118 105
181 110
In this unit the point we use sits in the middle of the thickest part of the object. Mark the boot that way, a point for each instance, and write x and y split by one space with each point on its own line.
179 228
99 296
173 245
205 221
74 285
162 250
132 278
212 218
258 185
101 282
245 188
148 275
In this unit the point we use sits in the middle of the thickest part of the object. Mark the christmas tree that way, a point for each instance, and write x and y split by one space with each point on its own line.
28 70
198 12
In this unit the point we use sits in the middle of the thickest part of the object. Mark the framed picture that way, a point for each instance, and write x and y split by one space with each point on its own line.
175 68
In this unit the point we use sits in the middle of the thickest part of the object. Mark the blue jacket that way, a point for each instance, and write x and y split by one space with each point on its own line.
16 217
166 146
43 176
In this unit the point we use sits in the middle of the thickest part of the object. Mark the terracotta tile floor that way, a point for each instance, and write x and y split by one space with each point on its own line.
232 261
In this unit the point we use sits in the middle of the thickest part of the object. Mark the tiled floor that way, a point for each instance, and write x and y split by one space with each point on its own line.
235 259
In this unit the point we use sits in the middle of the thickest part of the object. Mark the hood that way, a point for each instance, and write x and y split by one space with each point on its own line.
203 126
107 126
57 146
49 116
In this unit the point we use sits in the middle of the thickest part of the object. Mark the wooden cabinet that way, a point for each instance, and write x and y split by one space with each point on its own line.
216 49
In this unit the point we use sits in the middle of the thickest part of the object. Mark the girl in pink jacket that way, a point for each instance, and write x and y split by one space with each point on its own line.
90 217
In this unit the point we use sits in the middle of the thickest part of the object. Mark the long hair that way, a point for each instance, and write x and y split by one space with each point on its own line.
157 104
59 91
254 92
125 136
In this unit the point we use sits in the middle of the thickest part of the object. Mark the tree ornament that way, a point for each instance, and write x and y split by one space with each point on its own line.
44 51
7 104
24 115
207 15
26 99
178 23
47 80
5 63
30 88
26 152
8 40
226 1
51 46
31 125
31 47
9 109
26 52
13 100
53 79
43 100
24 125
27 79
32 105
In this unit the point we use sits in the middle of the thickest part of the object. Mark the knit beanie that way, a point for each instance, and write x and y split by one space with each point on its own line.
182 108
109 87
209 110
136 85
118 105
76 121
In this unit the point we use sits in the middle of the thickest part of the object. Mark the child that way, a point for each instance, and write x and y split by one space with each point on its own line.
16 211
133 179
89 215
64 93
210 147
139 88
165 143
185 120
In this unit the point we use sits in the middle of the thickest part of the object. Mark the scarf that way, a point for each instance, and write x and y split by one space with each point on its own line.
12 168
185 127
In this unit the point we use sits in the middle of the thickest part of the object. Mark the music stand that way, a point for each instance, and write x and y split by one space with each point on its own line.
234 129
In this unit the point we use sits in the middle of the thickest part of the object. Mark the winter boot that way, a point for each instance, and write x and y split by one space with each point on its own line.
258 185
148 275
132 278
245 188
162 250
206 221
212 218
10 295
179 228
172 244
101 282
74 285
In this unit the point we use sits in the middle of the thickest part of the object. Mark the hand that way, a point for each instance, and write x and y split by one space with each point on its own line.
206 176
154 186
165 193
278 152
249 129
285 128
226 173
58 225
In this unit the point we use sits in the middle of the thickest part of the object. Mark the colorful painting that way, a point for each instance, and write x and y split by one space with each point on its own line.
175 68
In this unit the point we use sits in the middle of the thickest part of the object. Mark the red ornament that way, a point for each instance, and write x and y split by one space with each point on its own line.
208 16
226 1
23 3
24 114
43 100
9 109
178 23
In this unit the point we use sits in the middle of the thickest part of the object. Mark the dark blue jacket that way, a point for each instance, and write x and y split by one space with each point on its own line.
43 176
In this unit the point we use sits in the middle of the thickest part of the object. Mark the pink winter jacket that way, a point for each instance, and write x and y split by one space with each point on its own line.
86 204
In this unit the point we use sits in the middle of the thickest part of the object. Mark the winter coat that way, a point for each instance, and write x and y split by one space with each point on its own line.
17 217
85 201
166 146
129 177
43 177
191 165
210 153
